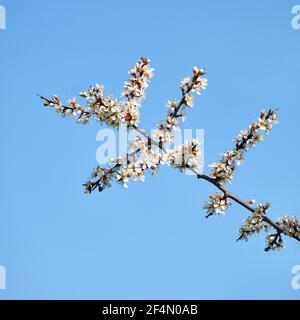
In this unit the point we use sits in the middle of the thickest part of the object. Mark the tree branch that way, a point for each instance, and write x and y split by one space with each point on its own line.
215 182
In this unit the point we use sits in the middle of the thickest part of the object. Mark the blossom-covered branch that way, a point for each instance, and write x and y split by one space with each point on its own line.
258 219
176 112
147 153
247 139
106 109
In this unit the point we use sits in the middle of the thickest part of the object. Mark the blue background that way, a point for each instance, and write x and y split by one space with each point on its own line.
152 240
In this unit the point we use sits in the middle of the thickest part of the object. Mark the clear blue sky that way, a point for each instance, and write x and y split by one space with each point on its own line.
152 240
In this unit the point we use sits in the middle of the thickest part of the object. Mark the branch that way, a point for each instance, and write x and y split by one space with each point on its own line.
242 203
133 164
229 195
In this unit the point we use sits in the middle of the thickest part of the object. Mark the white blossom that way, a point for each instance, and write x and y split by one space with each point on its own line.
139 144
217 204
200 84
172 104
136 170
185 81
189 100
186 155
163 135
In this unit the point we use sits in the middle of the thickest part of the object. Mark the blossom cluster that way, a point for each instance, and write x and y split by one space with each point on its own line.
185 156
107 109
136 170
255 223
176 109
134 91
223 170
290 225
217 204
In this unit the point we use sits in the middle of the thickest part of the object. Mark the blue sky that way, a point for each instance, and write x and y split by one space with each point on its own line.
152 240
